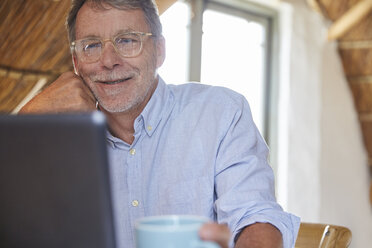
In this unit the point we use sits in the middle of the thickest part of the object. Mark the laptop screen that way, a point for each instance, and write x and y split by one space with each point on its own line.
54 182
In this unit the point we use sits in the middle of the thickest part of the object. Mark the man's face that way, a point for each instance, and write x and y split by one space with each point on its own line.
119 84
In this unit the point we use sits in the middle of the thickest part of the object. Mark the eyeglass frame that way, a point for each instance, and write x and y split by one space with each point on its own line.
112 39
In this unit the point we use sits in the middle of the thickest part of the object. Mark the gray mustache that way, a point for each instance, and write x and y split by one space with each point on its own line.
111 76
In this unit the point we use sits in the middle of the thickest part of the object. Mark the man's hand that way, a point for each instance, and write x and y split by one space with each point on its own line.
67 94
215 232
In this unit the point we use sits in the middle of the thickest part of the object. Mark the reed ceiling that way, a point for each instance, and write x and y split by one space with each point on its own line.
352 27
33 47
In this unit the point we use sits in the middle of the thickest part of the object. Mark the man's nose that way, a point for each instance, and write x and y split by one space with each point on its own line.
109 57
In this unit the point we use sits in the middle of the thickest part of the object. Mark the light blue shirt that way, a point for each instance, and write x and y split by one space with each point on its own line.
196 151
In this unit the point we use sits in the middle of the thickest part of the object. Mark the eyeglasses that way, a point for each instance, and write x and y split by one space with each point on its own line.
128 45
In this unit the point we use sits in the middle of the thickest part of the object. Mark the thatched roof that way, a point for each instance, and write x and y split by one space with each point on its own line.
352 27
34 47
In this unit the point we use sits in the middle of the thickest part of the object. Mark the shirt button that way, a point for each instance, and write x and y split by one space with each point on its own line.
132 151
149 128
135 203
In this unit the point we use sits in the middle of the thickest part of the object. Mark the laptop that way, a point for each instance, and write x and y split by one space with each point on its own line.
54 182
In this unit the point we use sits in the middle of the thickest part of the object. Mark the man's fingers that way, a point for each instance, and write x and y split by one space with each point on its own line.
70 76
77 94
218 233
68 93
87 94
87 89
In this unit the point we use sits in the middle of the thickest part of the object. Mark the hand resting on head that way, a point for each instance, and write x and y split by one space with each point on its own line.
67 94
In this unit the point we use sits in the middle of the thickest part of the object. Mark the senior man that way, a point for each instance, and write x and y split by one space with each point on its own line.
188 149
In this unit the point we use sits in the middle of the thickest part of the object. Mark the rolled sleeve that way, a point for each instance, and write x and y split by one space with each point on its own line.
244 181
286 223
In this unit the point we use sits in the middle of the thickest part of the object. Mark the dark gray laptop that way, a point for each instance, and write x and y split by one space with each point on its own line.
54 182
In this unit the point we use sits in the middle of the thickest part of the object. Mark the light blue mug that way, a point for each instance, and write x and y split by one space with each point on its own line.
171 231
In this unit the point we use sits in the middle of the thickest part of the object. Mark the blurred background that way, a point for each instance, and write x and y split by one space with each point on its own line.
304 66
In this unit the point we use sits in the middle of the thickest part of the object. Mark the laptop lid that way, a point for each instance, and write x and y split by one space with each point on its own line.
54 182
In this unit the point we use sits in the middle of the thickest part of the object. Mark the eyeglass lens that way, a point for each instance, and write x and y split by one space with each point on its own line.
128 45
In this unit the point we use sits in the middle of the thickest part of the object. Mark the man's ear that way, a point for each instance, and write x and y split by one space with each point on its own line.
75 64
160 51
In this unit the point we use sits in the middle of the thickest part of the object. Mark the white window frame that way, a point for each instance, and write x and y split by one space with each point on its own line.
251 10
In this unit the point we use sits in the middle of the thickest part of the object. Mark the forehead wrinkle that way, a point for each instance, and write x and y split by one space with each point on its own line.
122 31
90 22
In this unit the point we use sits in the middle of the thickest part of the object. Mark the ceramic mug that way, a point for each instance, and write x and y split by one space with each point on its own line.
171 231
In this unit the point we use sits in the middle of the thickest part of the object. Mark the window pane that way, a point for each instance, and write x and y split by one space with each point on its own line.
175 22
233 55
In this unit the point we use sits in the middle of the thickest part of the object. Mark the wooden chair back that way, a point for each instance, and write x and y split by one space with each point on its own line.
313 235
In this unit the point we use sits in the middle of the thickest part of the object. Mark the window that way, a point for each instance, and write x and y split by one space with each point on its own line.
234 50
175 30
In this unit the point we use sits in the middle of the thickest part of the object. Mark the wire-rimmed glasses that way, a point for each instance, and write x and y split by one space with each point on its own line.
127 44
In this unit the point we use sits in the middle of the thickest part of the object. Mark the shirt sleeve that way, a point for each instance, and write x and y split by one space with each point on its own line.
244 181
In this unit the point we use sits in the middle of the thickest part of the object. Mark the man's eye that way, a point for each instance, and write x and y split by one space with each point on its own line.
92 46
126 41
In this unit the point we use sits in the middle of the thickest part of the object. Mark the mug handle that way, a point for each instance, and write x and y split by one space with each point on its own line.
206 244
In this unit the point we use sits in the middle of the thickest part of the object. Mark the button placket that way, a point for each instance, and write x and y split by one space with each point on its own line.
134 179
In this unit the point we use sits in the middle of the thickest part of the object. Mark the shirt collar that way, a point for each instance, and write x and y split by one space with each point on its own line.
159 106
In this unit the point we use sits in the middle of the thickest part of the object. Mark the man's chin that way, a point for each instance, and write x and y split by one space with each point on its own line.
113 108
